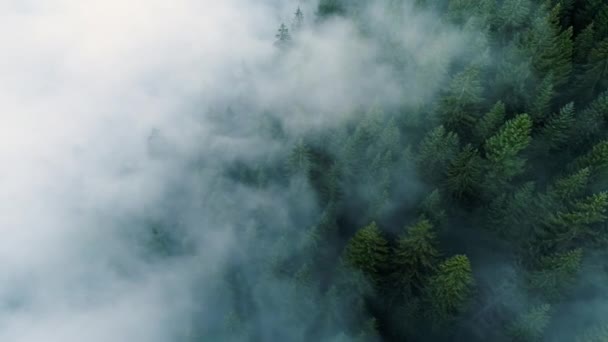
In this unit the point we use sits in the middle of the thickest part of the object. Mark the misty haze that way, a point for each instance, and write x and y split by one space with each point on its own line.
303 170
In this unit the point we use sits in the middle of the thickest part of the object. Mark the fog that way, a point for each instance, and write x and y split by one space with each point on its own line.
108 106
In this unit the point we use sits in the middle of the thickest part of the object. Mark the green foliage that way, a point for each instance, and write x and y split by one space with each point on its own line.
432 208
415 256
513 13
569 226
436 151
450 288
491 121
595 75
368 251
596 334
530 326
558 129
596 159
503 148
551 48
572 186
583 44
463 98
556 274
299 160
464 173
330 7
541 106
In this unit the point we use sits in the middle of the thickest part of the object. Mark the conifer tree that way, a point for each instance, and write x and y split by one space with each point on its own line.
283 37
432 208
530 326
597 333
502 151
558 129
368 251
436 151
557 273
298 21
299 160
583 44
541 106
491 121
462 100
415 256
595 75
450 289
464 173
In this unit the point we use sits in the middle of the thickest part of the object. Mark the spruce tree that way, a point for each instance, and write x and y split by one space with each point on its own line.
530 326
450 289
368 251
283 37
502 151
415 256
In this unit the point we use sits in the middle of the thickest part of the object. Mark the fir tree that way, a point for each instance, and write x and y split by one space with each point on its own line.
436 151
415 256
464 173
530 326
450 289
491 121
368 251
595 75
557 274
502 151
283 37
298 21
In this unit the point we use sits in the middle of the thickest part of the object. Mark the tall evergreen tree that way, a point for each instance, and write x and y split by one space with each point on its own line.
368 251
415 256
283 37
450 289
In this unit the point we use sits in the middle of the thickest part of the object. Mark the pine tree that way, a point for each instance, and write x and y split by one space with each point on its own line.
491 121
595 75
570 187
513 13
368 251
432 208
583 44
450 289
591 122
541 106
299 160
597 333
464 173
330 7
298 21
601 20
436 151
502 151
566 228
558 129
415 256
550 47
557 273
596 160
462 100
283 37
530 326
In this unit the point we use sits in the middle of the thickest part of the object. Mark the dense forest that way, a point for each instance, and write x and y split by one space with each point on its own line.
478 212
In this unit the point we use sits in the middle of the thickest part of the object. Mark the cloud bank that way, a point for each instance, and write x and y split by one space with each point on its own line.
116 114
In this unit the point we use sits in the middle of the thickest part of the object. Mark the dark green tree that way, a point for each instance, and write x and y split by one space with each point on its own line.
368 251
450 289
415 256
